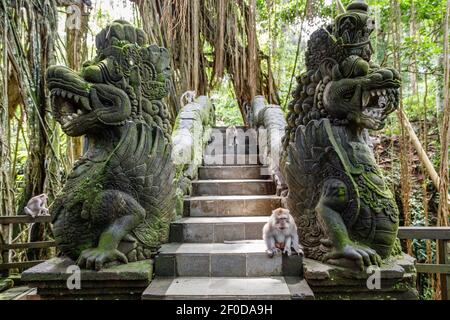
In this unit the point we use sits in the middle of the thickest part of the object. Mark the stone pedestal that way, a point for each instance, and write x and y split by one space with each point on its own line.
124 282
397 281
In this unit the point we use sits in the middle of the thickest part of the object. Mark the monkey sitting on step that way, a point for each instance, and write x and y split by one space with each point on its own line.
280 233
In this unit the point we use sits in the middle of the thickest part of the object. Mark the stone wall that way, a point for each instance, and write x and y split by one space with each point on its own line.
270 122
191 133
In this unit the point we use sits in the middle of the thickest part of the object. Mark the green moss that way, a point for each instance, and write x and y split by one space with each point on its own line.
402 286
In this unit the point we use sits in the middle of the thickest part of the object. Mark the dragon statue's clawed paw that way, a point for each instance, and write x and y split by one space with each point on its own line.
96 258
361 256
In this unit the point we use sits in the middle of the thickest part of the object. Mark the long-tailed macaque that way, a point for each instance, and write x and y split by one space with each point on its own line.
280 233
37 206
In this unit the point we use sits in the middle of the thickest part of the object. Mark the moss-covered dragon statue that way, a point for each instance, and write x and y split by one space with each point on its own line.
345 212
118 200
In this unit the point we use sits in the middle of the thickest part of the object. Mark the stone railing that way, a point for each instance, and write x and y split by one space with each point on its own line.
191 133
270 122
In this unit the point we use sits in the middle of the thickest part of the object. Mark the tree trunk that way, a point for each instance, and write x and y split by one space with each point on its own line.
443 171
229 27
76 49
6 194
405 187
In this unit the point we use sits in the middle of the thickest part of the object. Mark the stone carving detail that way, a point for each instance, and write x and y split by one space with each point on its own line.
270 122
346 214
118 200
192 131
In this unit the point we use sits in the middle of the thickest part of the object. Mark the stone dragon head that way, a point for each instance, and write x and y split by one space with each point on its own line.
126 81
341 83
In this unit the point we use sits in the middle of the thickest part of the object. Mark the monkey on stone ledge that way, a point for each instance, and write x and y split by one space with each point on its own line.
37 206
280 233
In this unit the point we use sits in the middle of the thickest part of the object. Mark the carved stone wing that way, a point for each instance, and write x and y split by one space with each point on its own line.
311 160
142 166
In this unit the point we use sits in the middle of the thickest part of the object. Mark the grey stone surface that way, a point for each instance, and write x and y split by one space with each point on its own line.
299 288
292 265
158 288
219 253
56 270
244 258
231 205
126 281
228 265
230 159
331 282
393 268
91 284
177 248
214 206
227 288
96 291
17 293
229 232
220 220
217 229
193 265
259 265
200 188
165 265
254 230
233 187
233 172
406 295
316 270
176 232
202 232
407 263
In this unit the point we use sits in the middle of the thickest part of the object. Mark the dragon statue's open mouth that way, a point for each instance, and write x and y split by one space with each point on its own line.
70 99
377 104
357 92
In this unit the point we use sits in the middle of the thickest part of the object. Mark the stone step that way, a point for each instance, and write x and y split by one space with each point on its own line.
233 172
233 187
217 230
221 288
213 149
246 258
396 280
17 293
231 206
123 281
231 159
224 129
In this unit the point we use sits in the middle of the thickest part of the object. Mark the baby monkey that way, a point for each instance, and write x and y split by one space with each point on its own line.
280 233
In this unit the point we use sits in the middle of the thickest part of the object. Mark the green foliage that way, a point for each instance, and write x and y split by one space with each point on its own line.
227 109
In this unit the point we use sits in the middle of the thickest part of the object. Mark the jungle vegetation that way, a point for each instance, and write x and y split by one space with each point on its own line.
230 50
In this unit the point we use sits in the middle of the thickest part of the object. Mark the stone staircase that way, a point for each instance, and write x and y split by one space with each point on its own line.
215 250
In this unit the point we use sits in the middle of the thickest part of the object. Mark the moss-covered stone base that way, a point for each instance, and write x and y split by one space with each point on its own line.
124 282
397 281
